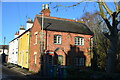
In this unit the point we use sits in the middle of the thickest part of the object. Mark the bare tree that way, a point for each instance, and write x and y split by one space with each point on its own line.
113 33
112 23
96 25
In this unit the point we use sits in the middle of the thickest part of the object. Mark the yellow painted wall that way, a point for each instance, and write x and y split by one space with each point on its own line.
23 50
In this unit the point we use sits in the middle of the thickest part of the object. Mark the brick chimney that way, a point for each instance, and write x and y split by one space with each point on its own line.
45 10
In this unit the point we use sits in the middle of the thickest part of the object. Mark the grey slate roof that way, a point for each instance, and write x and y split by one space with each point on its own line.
64 26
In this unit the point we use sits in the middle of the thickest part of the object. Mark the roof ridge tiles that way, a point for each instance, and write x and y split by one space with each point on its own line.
57 18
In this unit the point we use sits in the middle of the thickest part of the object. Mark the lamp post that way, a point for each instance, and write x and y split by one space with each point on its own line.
42 35
42 58
3 54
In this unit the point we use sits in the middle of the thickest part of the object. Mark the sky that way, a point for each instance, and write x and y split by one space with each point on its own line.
51 0
15 14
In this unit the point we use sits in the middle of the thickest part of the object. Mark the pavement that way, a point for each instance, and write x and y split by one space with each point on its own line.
18 69
27 74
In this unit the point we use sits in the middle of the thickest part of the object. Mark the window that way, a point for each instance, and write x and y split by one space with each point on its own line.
79 41
35 57
79 61
50 59
35 38
57 39
60 59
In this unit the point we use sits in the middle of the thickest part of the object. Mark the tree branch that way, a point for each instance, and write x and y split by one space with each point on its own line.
108 24
116 5
117 22
67 6
106 35
101 10
72 5
106 7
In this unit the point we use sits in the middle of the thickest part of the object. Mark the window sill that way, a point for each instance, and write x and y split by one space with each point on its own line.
78 45
57 43
35 44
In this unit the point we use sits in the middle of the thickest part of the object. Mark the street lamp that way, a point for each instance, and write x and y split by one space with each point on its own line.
42 34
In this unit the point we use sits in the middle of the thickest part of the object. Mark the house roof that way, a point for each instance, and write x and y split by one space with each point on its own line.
5 46
20 35
57 24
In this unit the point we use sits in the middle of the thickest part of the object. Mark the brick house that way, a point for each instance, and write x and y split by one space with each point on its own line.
64 42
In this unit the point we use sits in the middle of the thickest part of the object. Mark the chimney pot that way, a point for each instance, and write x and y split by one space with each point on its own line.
29 19
43 6
47 6
45 10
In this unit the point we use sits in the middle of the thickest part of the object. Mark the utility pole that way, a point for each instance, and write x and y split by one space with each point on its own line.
4 44
42 45
42 35
3 54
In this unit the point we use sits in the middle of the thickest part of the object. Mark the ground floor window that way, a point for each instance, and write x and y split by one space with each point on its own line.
50 59
35 57
79 61
60 59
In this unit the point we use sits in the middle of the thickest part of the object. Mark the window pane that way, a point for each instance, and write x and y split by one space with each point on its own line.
81 61
60 59
57 39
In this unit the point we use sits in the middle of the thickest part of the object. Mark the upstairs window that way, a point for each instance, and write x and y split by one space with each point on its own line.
79 41
36 37
57 39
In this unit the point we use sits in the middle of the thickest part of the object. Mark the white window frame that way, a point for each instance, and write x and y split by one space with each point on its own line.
79 41
36 37
58 39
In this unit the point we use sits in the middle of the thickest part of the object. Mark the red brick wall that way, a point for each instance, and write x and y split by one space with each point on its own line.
34 48
67 42
66 47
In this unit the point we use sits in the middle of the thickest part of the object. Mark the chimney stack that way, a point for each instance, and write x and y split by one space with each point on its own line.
29 23
16 34
22 29
29 19
45 10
